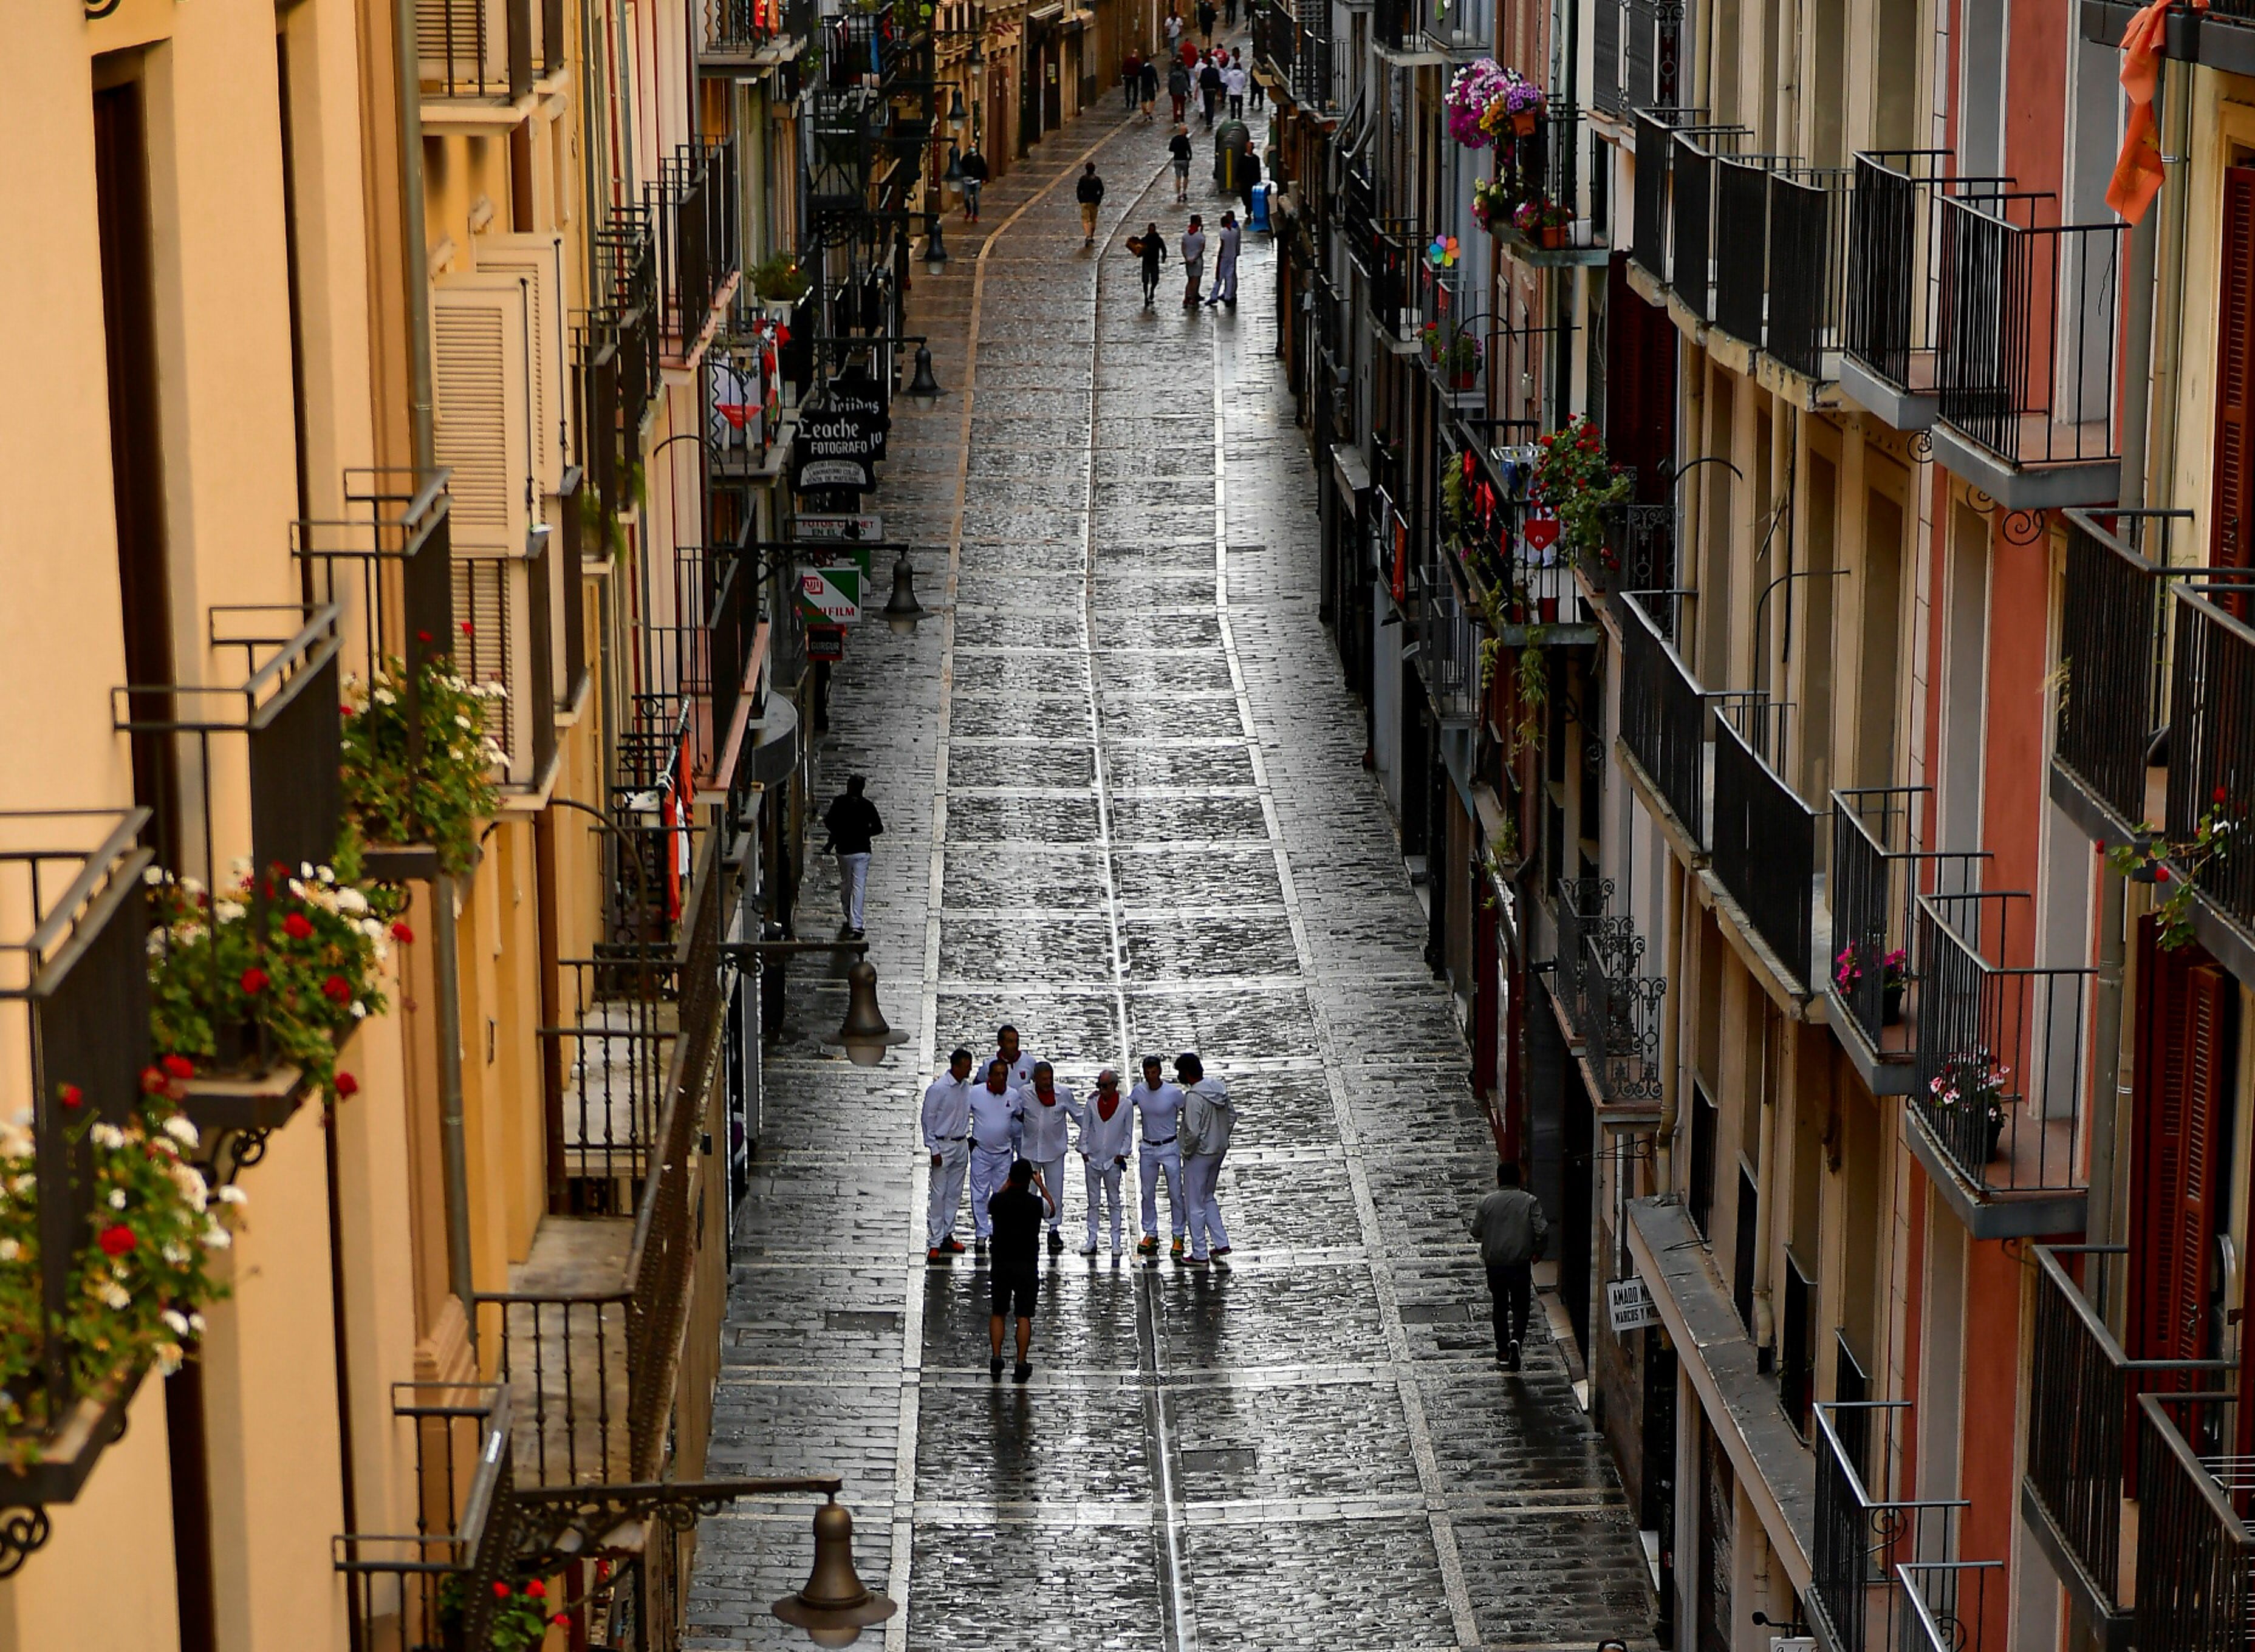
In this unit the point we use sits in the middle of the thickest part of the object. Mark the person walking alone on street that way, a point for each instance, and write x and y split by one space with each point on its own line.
1229 14
1150 88
1014 1275
976 170
1179 147
1510 1227
1178 91
1049 1110
1206 15
852 820
1224 263
1107 1128
1131 79
1209 82
1151 247
1232 81
1089 192
946 1127
1207 1120
1174 30
1193 260
1159 1107
998 1109
1254 90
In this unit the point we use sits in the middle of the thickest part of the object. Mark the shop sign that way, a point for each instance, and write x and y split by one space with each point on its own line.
1631 1305
825 644
832 595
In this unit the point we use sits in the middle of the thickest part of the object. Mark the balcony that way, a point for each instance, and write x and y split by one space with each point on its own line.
1877 875
693 208
1763 841
245 774
2084 1440
1611 1002
509 640
1883 1576
485 51
2196 1552
1448 634
865 48
2222 37
73 1013
1997 1105
740 34
1638 553
1663 727
2212 752
1894 296
1638 47
1691 228
432 1590
1394 254
1548 167
2112 653
2025 349
1527 584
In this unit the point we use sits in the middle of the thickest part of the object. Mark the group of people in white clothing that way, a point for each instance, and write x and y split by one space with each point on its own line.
976 1125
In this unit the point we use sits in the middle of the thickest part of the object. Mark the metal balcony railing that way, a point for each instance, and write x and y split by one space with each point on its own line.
1945 1603
2111 655
692 210
1638 553
243 776
2196 1552
1663 717
1449 657
737 28
864 48
1999 1074
2084 1440
1865 1538
1548 167
1877 875
431 1589
1638 44
624 307
606 1073
1389 535
1893 301
1691 212
1764 837
74 1019
1655 150
1739 302
483 48
2212 738
1809 217
1614 1005
1394 249
2025 347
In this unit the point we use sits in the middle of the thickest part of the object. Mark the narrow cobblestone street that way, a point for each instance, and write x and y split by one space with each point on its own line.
1125 811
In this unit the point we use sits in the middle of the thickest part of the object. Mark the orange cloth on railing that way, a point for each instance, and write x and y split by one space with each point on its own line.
2138 173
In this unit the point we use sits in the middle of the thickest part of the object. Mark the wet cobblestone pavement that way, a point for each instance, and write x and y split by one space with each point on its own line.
1126 811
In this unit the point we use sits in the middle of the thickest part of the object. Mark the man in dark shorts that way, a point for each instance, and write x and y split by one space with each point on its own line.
1019 1211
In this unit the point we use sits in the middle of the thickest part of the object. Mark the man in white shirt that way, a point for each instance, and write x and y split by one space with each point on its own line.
1013 1055
997 1123
1158 1107
1048 1111
946 1130
1107 1129
1233 82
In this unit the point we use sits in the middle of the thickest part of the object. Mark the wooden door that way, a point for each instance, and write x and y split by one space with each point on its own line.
2182 1003
2231 524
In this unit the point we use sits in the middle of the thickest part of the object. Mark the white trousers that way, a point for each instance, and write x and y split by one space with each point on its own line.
990 1168
1200 1173
854 887
1151 1164
946 1192
1103 1179
1052 1174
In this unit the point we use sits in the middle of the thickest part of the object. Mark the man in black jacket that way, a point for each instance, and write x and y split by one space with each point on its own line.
975 173
852 820
1015 1277
1089 192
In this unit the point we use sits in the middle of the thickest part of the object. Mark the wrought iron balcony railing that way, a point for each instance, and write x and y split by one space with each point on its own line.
1894 302
431 1589
732 29
2196 1550
1449 657
1691 230
1656 128
1663 717
2111 655
2025 347
1809 216
1740 184
692 210
74 1017
1613 1003
1877 875
1638 45
486 49
1638 553
1394 251
1999 1074
1763 837
1865 1539
2212 737
2084 1440
508 639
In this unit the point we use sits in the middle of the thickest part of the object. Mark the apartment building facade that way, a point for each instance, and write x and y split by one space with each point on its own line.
1824 787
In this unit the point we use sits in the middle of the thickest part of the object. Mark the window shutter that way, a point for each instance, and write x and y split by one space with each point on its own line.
481 344
536 261
2179 1105
462 44
2232 532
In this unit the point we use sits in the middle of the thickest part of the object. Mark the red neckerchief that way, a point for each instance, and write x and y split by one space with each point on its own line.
1107 1105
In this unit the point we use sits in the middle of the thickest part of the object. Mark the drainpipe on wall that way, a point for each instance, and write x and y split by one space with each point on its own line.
413 234
1766 1195
454 1148
1671 1040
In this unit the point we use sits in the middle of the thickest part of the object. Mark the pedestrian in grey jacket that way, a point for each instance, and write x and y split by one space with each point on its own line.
1511 1228
1207 1120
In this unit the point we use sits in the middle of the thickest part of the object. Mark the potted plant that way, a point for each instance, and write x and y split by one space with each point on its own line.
1523 103
1476 92
1894 976
1542 222
440 801
1575 479
780 282
520 1617
1969 1088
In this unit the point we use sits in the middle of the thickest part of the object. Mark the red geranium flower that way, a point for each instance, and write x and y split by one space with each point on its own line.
117 1239
255 979
501 1590
2161 874
422 636
70 1096
400 932
178 1067
298 926
152 1080
337 990
536 1589
346 1085
2218 794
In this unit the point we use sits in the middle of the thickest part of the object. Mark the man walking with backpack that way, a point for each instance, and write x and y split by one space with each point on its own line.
1510 1227
1089 192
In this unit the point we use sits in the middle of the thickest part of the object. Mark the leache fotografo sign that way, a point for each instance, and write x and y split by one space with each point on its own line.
840 440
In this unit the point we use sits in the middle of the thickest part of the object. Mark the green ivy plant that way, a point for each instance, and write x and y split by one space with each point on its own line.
2172 865
296 956
1531 682
141 1274
441 799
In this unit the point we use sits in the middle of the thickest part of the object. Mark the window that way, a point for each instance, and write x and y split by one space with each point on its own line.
1700 1196
1796 1353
